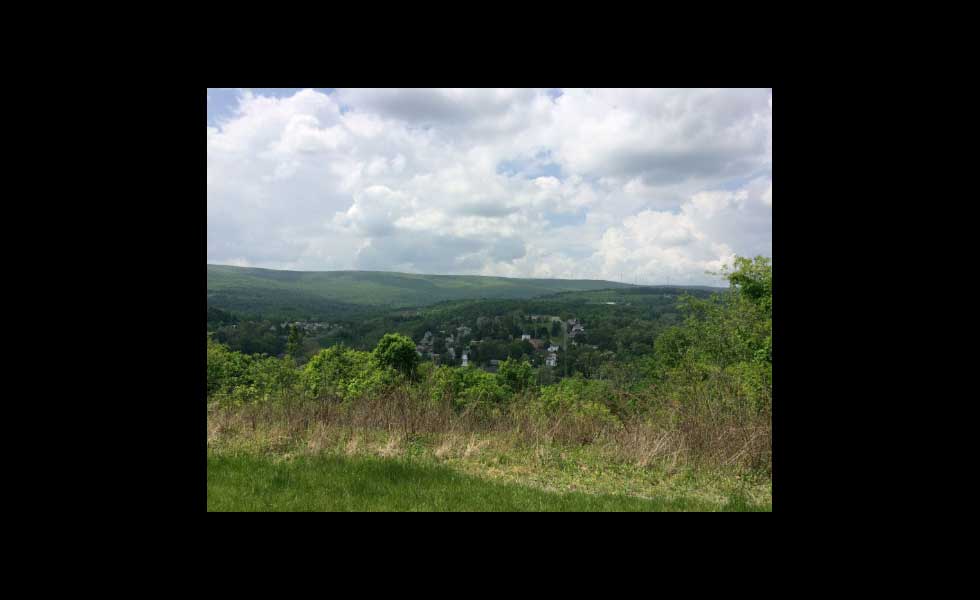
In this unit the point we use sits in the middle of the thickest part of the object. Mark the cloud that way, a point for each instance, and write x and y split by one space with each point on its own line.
511 182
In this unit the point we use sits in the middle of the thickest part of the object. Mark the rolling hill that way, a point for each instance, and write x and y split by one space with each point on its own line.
333 294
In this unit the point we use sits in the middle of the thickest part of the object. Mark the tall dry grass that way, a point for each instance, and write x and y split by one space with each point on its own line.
695 432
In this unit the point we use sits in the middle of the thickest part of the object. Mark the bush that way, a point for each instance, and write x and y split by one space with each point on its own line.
753 380
515 375
226 369
579 397
273 376
397 352
669 349
346 373
445 383
243 378
479 387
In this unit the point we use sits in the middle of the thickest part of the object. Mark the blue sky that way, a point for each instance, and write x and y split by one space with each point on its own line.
515 182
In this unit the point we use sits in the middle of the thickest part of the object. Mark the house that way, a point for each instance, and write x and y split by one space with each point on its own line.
553 348
466 359
525 337
552 360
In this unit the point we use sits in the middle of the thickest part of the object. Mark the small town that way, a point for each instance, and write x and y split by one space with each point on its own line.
459 347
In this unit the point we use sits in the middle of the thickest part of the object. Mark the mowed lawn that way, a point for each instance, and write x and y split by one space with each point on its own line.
335 483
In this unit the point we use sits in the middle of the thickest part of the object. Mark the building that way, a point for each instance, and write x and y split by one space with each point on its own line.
553 348
425 346
466 359
525 336
552 360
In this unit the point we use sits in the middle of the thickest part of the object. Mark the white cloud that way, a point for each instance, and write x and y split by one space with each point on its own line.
511 182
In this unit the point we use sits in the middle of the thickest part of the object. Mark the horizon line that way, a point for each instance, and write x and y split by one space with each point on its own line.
623 283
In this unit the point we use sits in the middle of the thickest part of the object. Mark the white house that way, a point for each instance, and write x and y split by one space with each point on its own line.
525 336
552 360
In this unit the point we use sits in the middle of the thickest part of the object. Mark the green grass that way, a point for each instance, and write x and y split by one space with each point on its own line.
364 483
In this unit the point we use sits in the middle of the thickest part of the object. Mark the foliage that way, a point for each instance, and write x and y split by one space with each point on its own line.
478 386
722 353
516 375
579 397
293 341
247 378
397 352
225 369
346 373
251 337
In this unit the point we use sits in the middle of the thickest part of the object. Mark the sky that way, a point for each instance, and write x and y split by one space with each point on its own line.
649 186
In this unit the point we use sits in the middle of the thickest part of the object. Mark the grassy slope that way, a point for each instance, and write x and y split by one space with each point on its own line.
264 290
596 469
334 483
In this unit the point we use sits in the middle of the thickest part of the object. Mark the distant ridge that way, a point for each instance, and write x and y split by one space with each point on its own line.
252 290
260 271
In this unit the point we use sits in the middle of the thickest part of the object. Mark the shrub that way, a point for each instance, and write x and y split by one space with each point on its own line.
272 376
226 370
479 387
332 370
446 383
753 380
398 352
516 375
579 397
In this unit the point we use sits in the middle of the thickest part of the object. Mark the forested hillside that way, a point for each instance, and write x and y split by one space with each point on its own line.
344 294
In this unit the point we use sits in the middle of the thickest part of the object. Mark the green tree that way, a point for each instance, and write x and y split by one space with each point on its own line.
293 341
398 352
752 280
